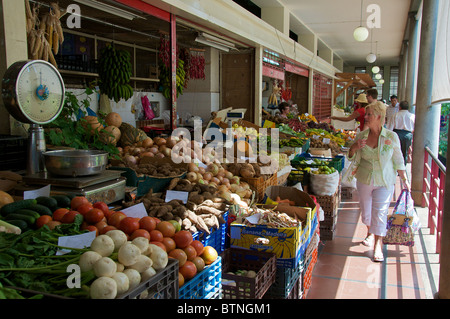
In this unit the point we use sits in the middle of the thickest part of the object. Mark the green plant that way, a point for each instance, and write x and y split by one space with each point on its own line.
445 112
66 130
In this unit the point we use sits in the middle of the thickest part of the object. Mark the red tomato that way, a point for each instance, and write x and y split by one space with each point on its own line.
93 228
41 221
140 233
199 247
77 201
169 243
183 238
129 224
59 213
188 270
84 208
190 252
102 206
179 254
69 217
147 223
156 235
166 228
94 215
115 218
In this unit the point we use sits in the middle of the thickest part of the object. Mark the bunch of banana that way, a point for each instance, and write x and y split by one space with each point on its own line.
114 68
273 99
166 76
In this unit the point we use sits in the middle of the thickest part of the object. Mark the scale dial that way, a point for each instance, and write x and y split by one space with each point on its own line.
33 91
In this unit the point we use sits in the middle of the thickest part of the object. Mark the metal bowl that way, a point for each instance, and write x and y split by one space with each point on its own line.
75 162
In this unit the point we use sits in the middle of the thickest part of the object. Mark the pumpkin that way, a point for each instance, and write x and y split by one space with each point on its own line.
131 135
113 119
105 136
92 123
5 198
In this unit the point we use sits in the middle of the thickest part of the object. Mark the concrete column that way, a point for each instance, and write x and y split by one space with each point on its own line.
13 47
426 132
258 85
411 67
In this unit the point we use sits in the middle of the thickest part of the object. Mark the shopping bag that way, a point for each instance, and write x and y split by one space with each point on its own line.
403 222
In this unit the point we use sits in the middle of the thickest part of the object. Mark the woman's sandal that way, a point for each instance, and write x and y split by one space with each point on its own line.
378 257
368 241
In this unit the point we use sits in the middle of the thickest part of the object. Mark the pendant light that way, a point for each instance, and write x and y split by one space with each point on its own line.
361 33
378 76
381 81
371 57
375 69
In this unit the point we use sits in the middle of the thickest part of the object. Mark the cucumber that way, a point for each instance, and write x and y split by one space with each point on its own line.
62 200
49 202
41 209
28 212
23 225
11 207
30 220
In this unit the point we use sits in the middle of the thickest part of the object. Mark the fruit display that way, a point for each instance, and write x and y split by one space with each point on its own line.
115 70
327 170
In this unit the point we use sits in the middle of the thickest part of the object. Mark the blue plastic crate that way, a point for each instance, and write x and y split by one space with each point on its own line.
216 238
205 285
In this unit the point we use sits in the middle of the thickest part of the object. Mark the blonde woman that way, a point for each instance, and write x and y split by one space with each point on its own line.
376 159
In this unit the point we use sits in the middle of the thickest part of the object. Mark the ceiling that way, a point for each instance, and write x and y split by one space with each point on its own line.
334 21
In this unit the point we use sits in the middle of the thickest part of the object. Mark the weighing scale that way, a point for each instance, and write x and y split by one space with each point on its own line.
33 93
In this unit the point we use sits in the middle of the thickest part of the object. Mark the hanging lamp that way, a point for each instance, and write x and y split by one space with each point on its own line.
361 33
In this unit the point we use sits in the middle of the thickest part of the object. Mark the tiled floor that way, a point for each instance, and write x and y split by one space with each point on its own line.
345 270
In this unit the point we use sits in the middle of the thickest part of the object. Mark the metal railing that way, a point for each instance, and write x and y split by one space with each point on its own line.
433 194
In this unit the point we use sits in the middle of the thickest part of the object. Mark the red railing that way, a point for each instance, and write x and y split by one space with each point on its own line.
433 194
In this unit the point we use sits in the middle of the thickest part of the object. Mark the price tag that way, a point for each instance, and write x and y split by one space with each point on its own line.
137 211
309 162
326 140
171 195
316 137
75 241
254 219
44 191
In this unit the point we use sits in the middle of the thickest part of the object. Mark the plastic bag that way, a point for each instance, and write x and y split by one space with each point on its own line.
148 112
324 184
346 182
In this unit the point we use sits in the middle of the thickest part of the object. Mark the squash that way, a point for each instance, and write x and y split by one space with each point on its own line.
92 123
131 135
106 138
113 119
5 198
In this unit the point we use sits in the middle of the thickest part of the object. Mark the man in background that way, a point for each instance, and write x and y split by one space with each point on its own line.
391 110
404 127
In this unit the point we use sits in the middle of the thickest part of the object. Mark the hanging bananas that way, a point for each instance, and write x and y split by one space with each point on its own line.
165 78
114 68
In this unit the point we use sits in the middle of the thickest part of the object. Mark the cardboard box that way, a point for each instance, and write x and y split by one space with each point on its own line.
287 243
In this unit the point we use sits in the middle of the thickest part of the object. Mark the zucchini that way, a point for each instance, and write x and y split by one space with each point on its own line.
30 220
23 225
62 200
41 209
28 212
11 207
49 202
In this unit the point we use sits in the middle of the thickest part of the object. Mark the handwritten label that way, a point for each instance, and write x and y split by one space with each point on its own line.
75 241
137 211
326 140
44 191
171 195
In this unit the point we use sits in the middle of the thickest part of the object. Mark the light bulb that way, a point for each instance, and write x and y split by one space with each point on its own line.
361 34
371 58
381 81
375 69
378 76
